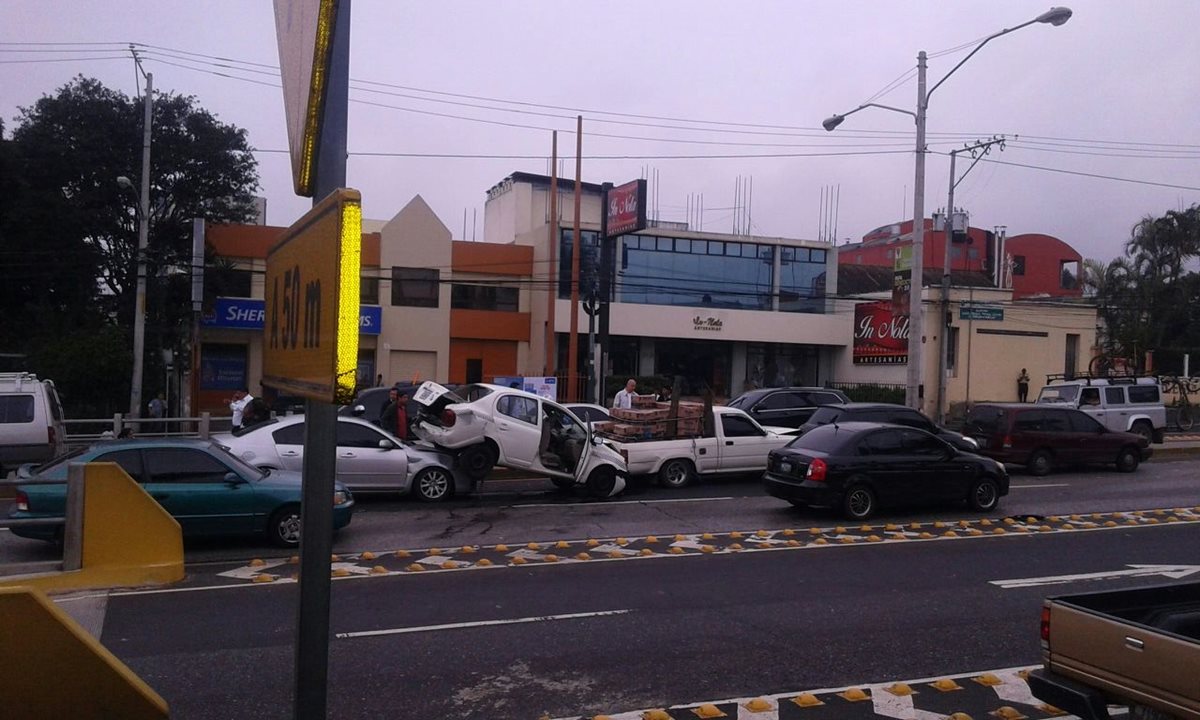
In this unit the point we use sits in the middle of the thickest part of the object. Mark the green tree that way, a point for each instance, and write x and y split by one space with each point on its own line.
69 246
1148 298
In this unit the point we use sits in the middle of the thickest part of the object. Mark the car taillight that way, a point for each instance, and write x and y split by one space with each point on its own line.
448 418
50 435
1046 625
22 501
816 470
1007 442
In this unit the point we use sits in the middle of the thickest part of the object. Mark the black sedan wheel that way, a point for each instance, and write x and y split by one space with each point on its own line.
1128 459
284 526
433 484
984 495
859 502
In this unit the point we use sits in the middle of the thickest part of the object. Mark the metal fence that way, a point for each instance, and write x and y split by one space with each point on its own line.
870 392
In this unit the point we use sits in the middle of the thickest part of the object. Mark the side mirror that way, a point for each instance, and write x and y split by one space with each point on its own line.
232 478
359 410
597 440
386 444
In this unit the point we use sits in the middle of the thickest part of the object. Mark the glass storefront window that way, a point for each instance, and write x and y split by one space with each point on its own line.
589 262
777 365
802 276
696 273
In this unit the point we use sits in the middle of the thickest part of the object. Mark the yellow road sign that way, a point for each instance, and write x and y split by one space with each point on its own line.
312 299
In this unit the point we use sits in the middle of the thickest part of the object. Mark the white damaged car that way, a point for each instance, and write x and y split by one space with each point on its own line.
492 425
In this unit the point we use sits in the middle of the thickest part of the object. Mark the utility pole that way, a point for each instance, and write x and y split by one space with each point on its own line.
912 393
576 252
139 308
941 411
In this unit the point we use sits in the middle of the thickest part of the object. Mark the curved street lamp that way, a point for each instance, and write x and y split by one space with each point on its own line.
912 397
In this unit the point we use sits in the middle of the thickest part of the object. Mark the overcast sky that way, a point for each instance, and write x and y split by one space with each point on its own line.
1113 92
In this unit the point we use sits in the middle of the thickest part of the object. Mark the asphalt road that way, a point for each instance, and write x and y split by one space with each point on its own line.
657 632
606 637
525 510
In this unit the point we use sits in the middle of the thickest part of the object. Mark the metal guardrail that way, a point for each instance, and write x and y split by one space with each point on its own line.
72 522
179 427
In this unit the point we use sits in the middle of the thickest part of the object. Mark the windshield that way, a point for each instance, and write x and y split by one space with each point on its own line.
825 439
1059 394
241 467
824 416
984 420
58 461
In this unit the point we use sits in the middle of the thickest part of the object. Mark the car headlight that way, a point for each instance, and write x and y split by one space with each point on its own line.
341 497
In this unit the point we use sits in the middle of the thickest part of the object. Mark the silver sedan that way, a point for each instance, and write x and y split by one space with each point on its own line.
368 458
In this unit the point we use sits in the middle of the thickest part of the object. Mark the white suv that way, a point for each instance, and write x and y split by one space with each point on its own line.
31 421
1130 404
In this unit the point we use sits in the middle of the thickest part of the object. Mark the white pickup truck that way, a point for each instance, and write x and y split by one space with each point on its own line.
738 445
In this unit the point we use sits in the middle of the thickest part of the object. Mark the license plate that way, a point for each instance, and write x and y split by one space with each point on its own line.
429 392
785 467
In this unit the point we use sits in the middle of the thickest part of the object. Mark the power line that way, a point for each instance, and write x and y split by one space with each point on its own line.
1082 174
57 60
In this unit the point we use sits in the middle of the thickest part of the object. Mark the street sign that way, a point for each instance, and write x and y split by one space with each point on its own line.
312 295
304 32
975 311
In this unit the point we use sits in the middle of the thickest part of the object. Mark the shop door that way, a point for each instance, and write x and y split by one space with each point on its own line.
474 370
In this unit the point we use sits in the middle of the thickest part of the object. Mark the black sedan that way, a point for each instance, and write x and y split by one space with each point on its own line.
886 413
859 466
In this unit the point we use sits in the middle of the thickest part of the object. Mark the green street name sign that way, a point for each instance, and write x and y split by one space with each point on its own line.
969 311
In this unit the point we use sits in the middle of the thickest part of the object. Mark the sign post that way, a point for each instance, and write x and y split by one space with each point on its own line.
312 319
624 212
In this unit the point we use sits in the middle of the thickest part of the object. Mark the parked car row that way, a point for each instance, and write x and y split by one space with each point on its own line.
856 457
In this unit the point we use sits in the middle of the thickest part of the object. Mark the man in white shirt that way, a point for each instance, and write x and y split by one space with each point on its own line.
241 398
624 398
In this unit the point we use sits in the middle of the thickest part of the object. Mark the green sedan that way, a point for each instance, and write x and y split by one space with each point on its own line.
207 490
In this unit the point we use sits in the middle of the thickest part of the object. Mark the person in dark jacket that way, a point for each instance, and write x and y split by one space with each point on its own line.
394 417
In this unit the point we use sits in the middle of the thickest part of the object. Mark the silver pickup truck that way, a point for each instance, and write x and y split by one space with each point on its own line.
1139 648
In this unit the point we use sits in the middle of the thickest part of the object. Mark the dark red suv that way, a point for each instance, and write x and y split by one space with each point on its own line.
1042 438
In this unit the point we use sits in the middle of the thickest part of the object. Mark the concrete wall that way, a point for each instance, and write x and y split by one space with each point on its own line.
414 238
1032 335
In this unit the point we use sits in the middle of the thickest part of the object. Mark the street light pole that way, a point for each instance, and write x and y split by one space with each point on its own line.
912 396
139 308
916 325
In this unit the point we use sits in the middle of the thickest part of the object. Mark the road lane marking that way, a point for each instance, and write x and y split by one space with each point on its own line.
478 623
1175 572
624 502
1011 487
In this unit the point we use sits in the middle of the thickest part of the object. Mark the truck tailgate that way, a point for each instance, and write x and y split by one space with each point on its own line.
1157 667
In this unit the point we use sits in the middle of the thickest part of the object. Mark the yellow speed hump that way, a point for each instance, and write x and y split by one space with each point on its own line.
312 302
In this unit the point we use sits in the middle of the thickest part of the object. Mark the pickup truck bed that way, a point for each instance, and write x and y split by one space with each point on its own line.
1132 647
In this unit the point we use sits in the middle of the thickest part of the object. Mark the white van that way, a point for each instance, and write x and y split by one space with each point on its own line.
31 421
1124 404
